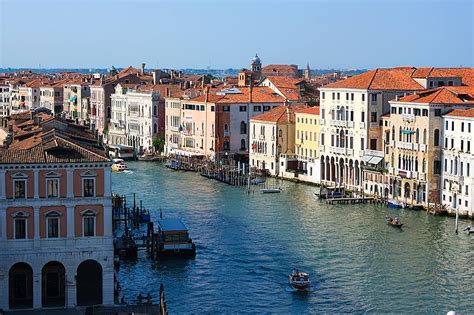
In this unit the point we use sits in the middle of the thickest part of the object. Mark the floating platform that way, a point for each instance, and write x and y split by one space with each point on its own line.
331 201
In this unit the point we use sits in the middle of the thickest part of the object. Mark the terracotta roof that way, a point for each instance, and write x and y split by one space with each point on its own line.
127 71
467 74
380 79
462 113
51 147
279 114
309 110
443 95
279 68
260 94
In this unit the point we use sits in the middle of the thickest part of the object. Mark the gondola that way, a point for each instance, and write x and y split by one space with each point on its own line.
395 222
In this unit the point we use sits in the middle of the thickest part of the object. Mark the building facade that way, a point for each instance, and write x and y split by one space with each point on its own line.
457 179
56 244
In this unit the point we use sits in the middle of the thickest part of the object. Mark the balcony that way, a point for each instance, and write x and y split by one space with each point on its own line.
260 137
362 125
423 147
408 117
349 151
322 121
422 176
321 148
337 150
374 124
339 123
454 178
405 145
373 153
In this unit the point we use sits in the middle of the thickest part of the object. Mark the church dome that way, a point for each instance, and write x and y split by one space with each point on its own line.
255 59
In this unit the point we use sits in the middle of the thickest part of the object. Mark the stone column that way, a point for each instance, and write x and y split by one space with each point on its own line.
3 224
2 185
107 182
37 287
108 282
70 221
36 185
108 220
70 183
4 286
71 289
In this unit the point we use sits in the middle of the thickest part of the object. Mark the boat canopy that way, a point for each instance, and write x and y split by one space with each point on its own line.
167 225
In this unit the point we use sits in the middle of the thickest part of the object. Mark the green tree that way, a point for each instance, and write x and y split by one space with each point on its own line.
159 143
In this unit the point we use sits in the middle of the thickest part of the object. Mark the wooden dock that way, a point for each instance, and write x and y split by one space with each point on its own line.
350 200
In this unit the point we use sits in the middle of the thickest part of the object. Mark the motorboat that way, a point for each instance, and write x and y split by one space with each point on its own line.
270 190
257 181
469 229
119 165
299 280
395 222
395 204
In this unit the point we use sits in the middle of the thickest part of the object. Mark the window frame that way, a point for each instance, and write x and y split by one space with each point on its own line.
49 216
84 178
20 216
88 214
57 189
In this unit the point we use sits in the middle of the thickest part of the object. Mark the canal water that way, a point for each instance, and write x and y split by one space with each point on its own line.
248 244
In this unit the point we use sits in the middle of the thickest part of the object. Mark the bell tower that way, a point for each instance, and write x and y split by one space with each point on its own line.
256 67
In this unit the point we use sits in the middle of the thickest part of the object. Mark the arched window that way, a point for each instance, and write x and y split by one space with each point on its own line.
280 133
155 128
242 144
400 134
436 137
417 136
423 166
243 128
424 136
393 133
226 130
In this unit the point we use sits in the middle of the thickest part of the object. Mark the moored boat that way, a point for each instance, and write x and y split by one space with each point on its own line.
395 204
270 190
299 280
257 181
174 239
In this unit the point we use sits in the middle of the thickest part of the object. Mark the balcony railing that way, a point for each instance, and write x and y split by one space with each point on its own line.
374 153
423 147
405 145
408 117
454 178
338 150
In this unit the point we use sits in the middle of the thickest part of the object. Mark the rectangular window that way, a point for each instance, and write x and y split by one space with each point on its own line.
468 146
257 108
322 95
212 108
373 117
243 108
462 127
437 167
363 97
20 188
352 96
362 117
373 144
53 227
20 229
425 113
225 108
88 187
52 186
393 110
266 108
374 98
89 226
400 110
362 144
333 95
347 96
452 126
437 112
338 96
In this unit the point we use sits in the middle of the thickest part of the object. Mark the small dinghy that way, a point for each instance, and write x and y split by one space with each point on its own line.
395 204
299 280
469 229
270 190
395 222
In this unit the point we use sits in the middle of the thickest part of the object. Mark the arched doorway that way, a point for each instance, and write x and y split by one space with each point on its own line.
407 190
89 283
53 283
20 283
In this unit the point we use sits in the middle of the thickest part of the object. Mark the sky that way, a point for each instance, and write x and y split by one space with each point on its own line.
221 34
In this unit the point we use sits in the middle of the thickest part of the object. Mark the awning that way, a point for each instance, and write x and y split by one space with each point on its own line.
73 99
371 159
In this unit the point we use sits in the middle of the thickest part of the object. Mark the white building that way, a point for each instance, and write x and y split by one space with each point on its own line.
351 122
134 120
5 105
458 162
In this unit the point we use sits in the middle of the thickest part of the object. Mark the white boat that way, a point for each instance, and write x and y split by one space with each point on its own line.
270 190
299 280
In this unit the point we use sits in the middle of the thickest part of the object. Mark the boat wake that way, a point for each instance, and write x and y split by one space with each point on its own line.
293 290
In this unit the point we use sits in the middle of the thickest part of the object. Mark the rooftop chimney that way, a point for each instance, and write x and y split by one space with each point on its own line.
143 68
206 92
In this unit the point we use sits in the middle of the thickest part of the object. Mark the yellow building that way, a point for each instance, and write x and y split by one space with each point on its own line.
307 144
